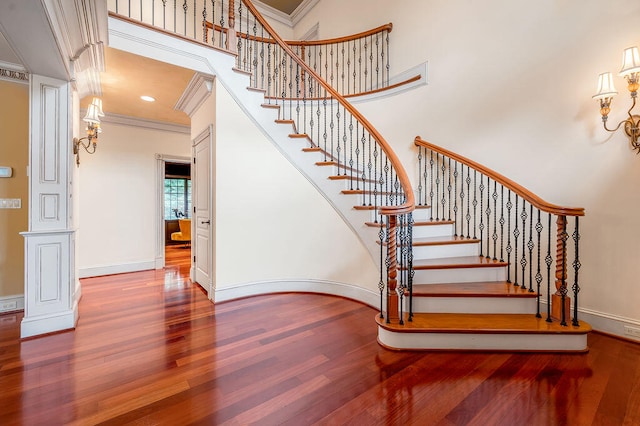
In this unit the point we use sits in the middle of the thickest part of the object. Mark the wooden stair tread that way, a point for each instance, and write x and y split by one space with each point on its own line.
255 89
444 240
270 106
361 192
241 71
423 223
482 324
472 289
457 262
299 136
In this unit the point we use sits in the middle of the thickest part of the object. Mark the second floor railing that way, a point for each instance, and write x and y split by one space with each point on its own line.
353 64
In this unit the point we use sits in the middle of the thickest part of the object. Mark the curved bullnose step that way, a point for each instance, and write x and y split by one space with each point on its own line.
483 332
475 297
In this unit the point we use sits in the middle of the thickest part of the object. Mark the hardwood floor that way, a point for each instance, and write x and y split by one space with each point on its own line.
150 348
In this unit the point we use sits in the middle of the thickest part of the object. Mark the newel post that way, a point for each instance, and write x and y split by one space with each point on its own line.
392 275
232 38
560 302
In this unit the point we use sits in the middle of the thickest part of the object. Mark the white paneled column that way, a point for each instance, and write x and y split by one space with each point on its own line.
51 299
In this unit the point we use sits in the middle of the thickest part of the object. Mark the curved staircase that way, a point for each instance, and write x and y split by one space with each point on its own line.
439 289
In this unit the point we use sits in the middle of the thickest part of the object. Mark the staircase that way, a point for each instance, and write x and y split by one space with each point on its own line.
462 301
440 288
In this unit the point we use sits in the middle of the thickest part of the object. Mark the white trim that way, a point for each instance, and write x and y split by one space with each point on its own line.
302 10
194 95
312 33
18 299
41 324
273 13
161 159
289 20
146 123
13 72
483 341
602 321
123 268
420 69
348 291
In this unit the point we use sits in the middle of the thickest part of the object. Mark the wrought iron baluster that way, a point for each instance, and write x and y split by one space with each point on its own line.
576 267
530 246
548 260
351 170
509 248
175 16
523 260
455 199
468 217
475 205
516 234
387 66
538 272
184 8
494 236
419 179
449 190
488 212
481 226
431 186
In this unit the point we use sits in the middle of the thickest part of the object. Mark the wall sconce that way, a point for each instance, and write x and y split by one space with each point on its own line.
94 112
631 72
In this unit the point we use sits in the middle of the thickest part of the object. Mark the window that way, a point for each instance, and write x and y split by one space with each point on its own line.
177 198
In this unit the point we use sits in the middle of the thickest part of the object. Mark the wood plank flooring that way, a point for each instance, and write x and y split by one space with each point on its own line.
150 349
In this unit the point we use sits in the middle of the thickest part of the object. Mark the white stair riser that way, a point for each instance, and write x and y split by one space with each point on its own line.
445 250
421 215
459 275
483 341
474 305
426 231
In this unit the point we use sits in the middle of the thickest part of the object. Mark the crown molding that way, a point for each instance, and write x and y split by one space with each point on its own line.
13 72
272 13
302 10
194 95
145 123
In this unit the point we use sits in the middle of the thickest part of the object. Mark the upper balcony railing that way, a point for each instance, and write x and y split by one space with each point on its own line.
352 65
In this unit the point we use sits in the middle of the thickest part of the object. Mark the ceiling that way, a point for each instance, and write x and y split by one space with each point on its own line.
128 76
286 6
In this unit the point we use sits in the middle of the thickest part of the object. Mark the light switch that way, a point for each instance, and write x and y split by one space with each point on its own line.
10 203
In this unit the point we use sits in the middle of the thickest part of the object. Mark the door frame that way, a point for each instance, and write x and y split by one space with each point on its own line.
206 136
161 160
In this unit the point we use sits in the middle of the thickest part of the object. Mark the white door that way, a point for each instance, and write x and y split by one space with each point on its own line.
202 220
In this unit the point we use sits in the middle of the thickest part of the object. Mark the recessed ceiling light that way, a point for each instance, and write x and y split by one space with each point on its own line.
147 98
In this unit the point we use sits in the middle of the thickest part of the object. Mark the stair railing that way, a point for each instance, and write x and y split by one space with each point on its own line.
345 139
317 111
512 224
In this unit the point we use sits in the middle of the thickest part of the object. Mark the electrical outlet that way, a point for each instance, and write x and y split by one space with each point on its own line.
632 331
9 306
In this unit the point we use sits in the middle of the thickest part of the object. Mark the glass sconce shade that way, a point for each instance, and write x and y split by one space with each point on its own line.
630 61
605 86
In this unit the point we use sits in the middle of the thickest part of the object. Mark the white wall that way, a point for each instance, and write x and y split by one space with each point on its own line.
117 198
510 86
271 223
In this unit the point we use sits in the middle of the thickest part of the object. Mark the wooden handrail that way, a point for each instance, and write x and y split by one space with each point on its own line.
387 27
248 36
409 204
524 193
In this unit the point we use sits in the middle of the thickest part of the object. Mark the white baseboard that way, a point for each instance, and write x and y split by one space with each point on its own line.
43 324
602 321
12 303
348 291
122 268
